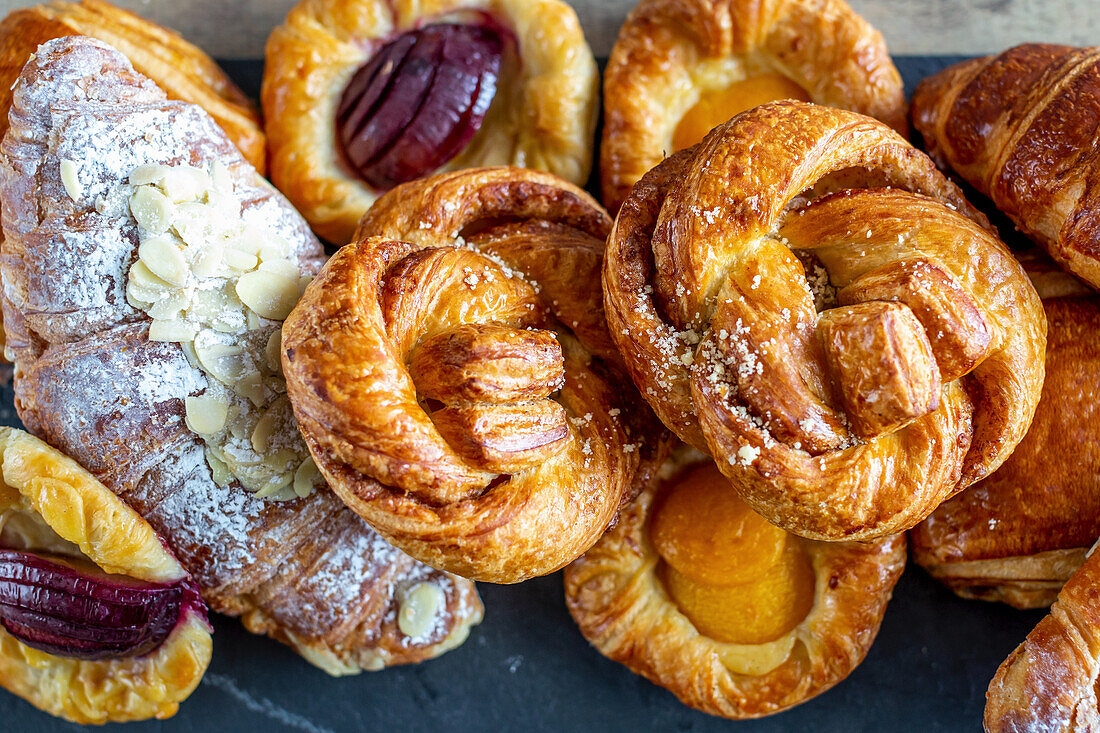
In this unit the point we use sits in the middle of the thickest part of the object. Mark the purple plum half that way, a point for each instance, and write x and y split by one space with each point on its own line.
418 101
74 609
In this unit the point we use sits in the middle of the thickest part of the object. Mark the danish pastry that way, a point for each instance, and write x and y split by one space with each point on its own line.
147 268
1020 127
805 297
734 616
1019 534
453 377
98 621
682 67
361 95
1049 682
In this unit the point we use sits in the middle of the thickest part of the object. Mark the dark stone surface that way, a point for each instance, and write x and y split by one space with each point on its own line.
527 668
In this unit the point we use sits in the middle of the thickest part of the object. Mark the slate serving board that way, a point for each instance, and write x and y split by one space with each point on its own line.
527 668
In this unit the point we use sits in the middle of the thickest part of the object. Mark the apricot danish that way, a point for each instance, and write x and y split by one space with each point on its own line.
361 95
804 296
734 616
681 67
453 378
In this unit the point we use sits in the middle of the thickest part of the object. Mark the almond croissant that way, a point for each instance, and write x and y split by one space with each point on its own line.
1022 127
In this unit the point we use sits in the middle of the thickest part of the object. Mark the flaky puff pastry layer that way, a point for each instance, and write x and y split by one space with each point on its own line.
669 52
43 482
1049 682
543 115
1019 534
453 378
846 394
181 69
621 606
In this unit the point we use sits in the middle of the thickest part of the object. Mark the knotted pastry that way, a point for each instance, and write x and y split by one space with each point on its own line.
1019 534
98 621
180 68
1049 682
682 67
1020 127
361 95
453 378
734 616
804 296
147 268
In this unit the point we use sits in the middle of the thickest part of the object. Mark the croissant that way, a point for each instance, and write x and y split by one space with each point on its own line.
98 621
361 95
1019 534
847 377
147 268
734 616
1020 128
681 67
453 377
1049 682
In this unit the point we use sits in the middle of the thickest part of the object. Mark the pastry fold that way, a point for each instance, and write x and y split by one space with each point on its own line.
90 381
1021 127
453 377
806 298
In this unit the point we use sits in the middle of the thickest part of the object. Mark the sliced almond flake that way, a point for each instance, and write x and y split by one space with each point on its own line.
70 178
149 173
175 330
152 210
263 431
270 295
164 258
281 266
220 472
251 386
184 183
205 415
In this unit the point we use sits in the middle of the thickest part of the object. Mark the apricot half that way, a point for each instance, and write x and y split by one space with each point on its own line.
719 105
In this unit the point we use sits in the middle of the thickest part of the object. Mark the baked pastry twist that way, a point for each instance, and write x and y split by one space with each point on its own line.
126 371
1049 682
682 67
360 95
1021 128
1019 534
807 298
122 635
734 616
452 374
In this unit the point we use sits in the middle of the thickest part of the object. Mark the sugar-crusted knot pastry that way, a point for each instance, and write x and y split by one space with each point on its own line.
1020 127
682 67
452 374
1019 534
736 617
804 296
147 269
98 621
1049 682
362 95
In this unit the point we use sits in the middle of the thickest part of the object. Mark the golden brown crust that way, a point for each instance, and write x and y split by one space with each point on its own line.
621 606
1049 682
668 51
181 69
1017 535
504 451
39 480
543 116
1021 127
719 328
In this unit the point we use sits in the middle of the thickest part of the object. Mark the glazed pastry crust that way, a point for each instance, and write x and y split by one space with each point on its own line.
1021 127
621 606
1018 535
38 479
89 380
669 51
353 355
724 336
543 116
1049 681
181 69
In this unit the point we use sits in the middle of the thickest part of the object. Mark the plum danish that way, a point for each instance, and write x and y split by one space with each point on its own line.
362 95
98 621
805 297
736 617
453 377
